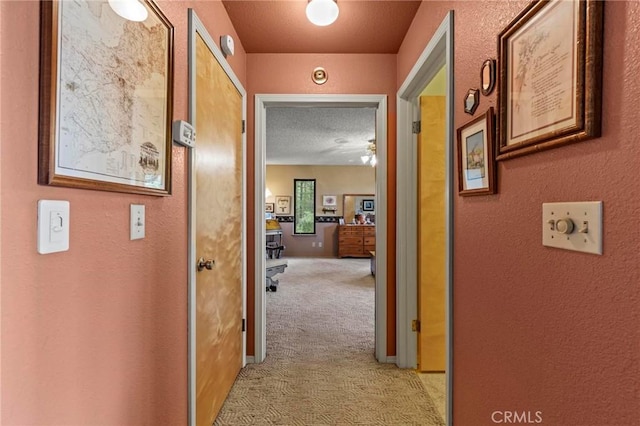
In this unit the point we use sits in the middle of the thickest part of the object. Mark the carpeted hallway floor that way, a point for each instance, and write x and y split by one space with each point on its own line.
320 367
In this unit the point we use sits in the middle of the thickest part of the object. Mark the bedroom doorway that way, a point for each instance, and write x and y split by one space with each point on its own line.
437 54
262 103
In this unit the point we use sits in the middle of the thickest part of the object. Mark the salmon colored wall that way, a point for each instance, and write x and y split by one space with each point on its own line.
536 328
97 334
348 74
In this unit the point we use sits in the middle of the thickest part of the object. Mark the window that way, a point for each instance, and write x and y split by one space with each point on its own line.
304 196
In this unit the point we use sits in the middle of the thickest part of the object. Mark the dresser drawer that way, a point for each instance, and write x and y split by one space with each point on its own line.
350 230
350 241
369 230
369 241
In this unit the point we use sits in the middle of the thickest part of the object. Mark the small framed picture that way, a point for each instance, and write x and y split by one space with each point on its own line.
471 101
476 165
269 207
283 204
329 200
488 76
368 205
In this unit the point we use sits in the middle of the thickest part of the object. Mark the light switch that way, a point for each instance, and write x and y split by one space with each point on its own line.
137 221
573 226
53 226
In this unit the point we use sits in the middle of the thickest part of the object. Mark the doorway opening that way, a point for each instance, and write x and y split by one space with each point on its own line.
263 102
217 283
437 54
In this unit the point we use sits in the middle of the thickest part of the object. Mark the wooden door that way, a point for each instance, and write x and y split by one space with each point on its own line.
431 234
218 181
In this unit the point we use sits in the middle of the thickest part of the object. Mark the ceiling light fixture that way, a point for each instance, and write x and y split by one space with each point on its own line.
370 157
322 12
132 10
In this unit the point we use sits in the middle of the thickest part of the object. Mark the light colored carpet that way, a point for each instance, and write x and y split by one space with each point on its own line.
436 385
320 367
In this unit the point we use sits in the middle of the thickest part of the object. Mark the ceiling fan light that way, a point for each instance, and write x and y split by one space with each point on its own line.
322 12
132 10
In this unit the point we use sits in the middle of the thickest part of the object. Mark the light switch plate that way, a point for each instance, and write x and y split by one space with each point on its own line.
53 226
137 221
584 217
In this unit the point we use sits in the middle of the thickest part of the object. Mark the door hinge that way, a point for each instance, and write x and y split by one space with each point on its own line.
243 126
244 325
416 127
415 325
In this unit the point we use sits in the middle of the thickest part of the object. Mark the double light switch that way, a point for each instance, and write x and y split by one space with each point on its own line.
573 226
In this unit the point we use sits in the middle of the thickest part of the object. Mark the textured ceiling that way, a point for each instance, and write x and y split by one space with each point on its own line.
266 26
308 135
319 136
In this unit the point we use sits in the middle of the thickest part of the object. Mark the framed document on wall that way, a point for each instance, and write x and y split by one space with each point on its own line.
550 60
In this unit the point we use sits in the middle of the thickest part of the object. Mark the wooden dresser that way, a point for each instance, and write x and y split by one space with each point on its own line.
356 240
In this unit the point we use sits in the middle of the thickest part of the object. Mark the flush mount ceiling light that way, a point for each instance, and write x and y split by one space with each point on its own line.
132 10
322 12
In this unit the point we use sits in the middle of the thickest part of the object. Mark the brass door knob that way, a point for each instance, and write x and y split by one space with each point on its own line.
208 264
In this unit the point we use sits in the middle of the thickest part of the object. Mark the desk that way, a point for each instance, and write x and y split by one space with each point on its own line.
274 243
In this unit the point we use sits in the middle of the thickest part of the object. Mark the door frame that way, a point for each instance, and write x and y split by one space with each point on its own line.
264 101
438 52
196 27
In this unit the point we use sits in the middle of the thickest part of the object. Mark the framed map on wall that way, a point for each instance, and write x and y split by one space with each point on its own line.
106 86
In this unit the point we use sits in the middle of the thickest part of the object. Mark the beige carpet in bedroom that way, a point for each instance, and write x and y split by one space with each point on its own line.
320 367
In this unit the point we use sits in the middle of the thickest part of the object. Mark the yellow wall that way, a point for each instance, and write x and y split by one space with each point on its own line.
330 180
431 252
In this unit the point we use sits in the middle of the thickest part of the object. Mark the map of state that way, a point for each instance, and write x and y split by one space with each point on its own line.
112 95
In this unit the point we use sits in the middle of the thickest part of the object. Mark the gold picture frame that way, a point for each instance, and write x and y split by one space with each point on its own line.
476 164
106 89
550 61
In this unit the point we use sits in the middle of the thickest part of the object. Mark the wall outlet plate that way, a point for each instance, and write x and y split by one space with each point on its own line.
573 226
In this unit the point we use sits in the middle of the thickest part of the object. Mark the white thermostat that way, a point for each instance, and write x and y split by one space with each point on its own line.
226 44
184 133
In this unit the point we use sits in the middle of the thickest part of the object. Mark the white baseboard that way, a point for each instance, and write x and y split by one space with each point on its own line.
391 360
251 359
